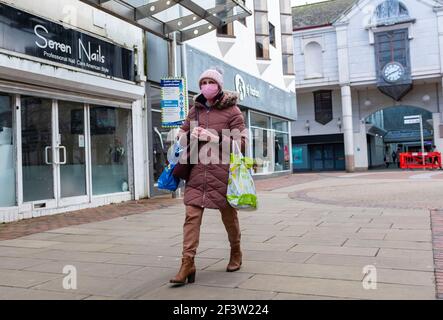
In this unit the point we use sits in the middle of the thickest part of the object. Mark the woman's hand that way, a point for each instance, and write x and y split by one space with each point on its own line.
204 135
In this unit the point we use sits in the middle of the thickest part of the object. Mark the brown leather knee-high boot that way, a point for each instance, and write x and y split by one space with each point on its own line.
187 271
232 225
235 261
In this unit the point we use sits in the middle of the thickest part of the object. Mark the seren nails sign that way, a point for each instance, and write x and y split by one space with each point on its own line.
27 34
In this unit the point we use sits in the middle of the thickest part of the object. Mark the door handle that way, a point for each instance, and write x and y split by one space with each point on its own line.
64 155
46 156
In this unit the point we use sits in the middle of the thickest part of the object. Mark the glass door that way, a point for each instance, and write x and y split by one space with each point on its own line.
53 150
37 151
71 153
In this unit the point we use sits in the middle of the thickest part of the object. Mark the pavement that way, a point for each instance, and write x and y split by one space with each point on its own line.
372 235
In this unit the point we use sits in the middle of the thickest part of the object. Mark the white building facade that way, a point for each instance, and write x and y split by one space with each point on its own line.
364 57
72 124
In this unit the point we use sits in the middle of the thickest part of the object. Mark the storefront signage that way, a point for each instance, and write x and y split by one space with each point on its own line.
254 93
245 89
174 102
34 36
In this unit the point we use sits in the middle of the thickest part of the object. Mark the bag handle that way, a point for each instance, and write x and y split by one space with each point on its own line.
236 148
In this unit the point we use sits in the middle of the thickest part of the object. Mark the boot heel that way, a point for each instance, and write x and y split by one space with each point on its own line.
191 278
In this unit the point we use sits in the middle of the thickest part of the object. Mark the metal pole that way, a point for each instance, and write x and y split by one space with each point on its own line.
172 68
422 141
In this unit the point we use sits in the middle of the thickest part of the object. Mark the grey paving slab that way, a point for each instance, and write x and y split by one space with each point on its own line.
255 255
107 270
408 277
20 243
338 234
221 279
320 241
403 263
144 241
337 288
160 261
409 235
145 249
14 263
83 229
353 251
108 287
200 292
61 255
10 293
41 236
426 255
19 252
85 247
96 238
294 296
416 245
24 279
296 269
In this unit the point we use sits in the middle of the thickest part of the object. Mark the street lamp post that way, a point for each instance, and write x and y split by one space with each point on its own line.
418 119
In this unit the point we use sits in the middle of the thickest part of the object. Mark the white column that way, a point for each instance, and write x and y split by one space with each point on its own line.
348 130
439 13
438 141
346 98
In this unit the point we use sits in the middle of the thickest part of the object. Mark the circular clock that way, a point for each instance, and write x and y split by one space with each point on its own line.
393 72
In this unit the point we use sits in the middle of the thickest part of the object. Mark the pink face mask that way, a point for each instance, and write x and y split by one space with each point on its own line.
210 91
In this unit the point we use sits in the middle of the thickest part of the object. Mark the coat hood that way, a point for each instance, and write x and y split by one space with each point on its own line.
224 100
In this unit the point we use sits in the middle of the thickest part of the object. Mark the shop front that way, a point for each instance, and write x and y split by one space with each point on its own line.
68 100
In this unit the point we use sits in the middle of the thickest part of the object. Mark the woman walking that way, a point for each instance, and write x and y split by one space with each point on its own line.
215 110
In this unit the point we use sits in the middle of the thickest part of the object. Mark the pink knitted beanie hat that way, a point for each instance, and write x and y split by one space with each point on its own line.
214 74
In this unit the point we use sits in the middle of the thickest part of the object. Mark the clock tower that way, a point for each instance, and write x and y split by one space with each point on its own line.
393 63
392 57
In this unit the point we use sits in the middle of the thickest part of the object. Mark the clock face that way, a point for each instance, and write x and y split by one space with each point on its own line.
393 72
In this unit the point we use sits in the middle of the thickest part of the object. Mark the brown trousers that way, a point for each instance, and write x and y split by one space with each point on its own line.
193 221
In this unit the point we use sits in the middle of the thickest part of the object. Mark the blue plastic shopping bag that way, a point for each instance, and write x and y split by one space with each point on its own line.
167 181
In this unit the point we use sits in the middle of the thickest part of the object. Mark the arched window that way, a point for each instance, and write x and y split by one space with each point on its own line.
314 60
390 12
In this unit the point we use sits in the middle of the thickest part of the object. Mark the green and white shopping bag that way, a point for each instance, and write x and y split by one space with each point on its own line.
242 194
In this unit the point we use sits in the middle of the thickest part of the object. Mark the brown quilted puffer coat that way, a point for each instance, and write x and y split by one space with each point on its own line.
208 183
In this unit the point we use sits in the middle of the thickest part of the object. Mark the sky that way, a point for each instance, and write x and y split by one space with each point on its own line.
299 2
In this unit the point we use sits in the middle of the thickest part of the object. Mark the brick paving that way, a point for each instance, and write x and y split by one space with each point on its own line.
437 239
42 224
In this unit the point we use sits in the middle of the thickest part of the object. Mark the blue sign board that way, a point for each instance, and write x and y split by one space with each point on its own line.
174 102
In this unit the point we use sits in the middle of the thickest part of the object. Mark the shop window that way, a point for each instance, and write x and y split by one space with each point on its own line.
313 60
272 35
280 125
286 35
260 120
323 106
300 156
282 153
263 150
226 31
7 159
262 32
110 152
